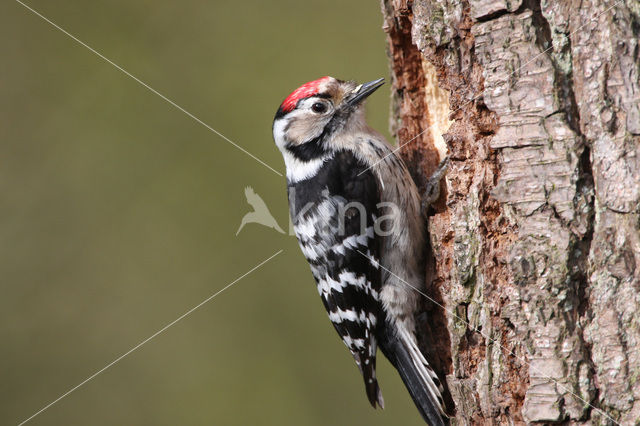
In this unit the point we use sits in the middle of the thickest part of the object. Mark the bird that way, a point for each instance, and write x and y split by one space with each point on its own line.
260 213
360 223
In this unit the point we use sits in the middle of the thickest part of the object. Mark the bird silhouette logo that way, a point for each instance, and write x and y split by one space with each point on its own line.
260 213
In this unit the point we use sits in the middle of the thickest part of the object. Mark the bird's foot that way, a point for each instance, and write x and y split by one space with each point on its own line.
432 191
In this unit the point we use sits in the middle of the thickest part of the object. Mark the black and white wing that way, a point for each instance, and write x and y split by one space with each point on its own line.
334 221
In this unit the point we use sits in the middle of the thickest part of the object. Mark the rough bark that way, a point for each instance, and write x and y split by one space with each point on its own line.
535 295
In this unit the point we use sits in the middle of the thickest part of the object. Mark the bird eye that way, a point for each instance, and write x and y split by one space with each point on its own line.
318 107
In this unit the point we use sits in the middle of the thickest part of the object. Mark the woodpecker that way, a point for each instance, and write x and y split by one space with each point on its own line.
359 221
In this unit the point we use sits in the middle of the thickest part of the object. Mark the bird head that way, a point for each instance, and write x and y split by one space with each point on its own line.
311 117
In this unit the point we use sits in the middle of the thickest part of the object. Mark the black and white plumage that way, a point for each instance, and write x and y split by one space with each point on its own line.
348 282
357 216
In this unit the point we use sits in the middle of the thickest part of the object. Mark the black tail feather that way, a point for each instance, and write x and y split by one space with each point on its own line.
374 394
367 365
399 355
415 385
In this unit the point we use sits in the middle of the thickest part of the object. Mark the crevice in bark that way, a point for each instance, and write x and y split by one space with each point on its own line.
563 79
542 28
526 4
579 264
579 261
495 15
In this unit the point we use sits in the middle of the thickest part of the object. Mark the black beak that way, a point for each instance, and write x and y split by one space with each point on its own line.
363 91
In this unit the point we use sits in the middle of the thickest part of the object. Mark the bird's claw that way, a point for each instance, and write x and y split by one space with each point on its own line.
432 191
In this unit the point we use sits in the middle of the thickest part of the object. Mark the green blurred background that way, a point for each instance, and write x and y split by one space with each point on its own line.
119 213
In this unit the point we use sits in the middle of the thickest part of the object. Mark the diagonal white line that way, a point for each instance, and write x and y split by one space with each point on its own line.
146 86
495 341
149 338
399 147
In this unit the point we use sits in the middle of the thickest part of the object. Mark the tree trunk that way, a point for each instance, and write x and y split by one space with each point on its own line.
534 312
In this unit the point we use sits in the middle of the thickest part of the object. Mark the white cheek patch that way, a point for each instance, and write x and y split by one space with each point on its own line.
298 126
297 170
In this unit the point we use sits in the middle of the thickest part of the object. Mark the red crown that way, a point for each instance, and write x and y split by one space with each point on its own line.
308 89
